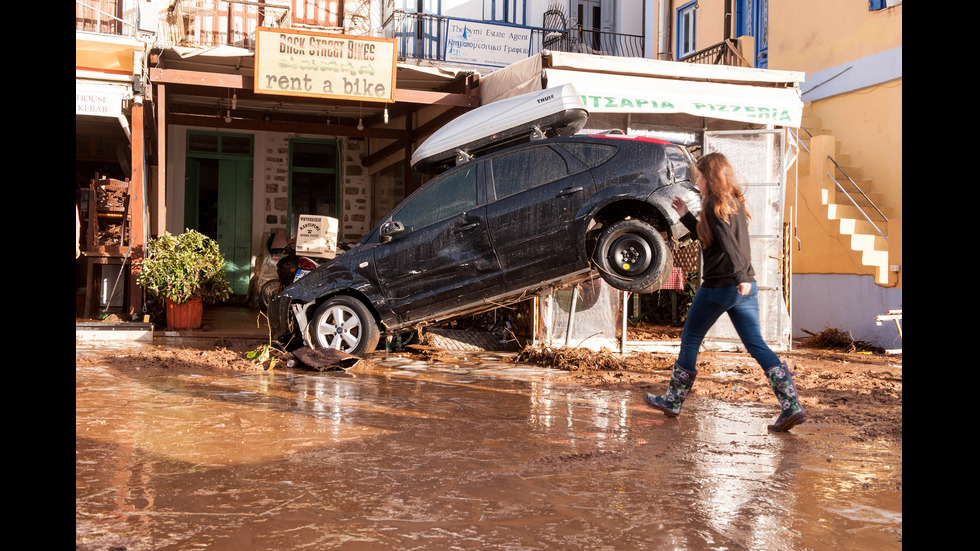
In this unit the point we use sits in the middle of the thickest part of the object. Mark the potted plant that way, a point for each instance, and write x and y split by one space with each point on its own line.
185 271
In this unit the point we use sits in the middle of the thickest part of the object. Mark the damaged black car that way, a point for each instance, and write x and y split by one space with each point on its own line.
498 229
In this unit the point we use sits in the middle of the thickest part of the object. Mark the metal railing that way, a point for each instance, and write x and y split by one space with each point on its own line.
855 203
798 140
595 41
845 191
186 22
722 53
233 22
422 36
102 18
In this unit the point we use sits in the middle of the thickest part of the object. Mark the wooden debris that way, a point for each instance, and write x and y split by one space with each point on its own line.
325 359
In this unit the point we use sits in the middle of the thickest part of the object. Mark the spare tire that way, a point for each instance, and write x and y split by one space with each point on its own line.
631 255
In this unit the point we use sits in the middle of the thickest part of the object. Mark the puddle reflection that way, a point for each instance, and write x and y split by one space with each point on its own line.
407 455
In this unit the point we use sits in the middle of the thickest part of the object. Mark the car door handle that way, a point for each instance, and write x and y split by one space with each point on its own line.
569 191
466 228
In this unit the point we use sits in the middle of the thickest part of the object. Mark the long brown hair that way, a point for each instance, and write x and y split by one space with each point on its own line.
723 195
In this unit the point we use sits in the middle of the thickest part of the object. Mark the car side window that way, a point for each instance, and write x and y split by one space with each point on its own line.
447 195
525 169
591 154
680 164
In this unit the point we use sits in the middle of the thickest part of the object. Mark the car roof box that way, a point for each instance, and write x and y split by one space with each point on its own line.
557 111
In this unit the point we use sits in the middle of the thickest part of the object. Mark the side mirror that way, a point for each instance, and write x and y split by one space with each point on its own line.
389 229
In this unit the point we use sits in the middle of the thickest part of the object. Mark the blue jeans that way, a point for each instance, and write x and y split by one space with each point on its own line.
708 305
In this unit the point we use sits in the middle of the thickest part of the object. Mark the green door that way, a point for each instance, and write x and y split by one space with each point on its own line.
234 221
218 203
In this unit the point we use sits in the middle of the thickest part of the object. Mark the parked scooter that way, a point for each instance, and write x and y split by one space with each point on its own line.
289 267
268 284
292 266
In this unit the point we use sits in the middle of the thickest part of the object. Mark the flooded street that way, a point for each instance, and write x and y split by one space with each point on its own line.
398 454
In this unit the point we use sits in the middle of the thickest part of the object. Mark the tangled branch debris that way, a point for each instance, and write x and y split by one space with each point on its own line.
571 359
835 339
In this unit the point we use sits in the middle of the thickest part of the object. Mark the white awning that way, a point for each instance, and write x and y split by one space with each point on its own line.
606 93
632 85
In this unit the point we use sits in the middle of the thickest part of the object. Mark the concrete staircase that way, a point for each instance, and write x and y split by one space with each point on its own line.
859 213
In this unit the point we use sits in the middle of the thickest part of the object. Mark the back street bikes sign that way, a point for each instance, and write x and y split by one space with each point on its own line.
298 63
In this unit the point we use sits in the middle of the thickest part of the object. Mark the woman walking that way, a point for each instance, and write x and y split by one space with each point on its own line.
728 285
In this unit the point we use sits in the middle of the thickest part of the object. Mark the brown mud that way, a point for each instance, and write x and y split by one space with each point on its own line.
204 447
840 384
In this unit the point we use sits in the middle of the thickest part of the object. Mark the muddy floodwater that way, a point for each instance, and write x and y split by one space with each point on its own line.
406 455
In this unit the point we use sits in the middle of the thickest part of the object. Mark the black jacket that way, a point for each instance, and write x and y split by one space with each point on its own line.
728 261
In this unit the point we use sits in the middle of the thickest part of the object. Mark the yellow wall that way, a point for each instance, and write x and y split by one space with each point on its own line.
866 124
710 23
810 36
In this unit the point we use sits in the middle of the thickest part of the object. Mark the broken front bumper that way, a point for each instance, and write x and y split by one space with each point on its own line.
281 322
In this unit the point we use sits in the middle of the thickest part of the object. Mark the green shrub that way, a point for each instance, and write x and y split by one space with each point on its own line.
184 266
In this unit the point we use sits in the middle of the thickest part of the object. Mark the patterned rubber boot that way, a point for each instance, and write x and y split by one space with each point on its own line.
681 381
782 384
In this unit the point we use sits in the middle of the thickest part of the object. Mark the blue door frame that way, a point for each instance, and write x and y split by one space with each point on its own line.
752 19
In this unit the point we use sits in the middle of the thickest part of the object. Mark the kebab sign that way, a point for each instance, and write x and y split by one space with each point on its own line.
297 63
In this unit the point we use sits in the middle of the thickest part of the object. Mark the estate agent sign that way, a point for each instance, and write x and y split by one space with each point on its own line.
299 63
486 43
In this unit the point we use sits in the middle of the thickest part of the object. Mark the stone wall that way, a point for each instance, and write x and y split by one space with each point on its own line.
355 193
389 190
355 190
276 178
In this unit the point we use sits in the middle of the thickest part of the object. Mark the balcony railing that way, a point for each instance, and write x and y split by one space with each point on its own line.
595 41
722 53
201 23
104 17
423 36
206 23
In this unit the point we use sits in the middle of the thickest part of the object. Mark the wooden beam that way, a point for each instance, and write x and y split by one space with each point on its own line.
221 80
426 128
137 237
288 126
161 185
435 98
200 78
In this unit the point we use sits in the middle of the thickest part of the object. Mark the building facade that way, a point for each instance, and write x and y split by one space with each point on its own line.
215 152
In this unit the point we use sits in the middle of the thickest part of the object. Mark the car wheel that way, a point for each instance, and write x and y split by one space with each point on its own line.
631 255
344 323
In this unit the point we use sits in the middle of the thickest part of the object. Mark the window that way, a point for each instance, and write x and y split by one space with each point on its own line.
225 144
511 11
448 195
320 13
313 179
591 154
875 5
680 164
525 169
685 29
